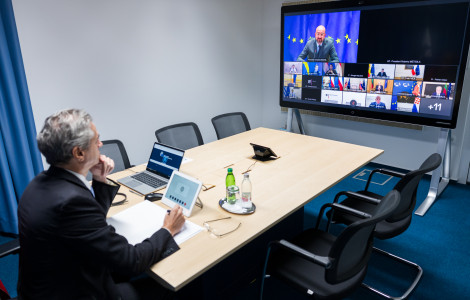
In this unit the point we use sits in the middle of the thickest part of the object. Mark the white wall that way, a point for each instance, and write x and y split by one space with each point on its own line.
137 66
404 148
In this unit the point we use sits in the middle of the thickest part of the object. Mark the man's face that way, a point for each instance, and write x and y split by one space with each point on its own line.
438 90
92 154
320 34
377 100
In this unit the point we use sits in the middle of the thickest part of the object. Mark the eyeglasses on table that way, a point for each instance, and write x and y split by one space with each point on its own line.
214 231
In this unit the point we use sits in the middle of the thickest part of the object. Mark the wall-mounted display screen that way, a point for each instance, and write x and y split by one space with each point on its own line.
400 61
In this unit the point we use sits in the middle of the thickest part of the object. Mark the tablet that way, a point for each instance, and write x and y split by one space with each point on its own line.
182 190
262 152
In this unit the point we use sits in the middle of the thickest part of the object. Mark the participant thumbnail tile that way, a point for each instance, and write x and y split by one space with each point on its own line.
384 71
438 90
293 80
354 99
312 68
333 69
332 83
355 84
380 86
409 72
292 67
378 101
331 96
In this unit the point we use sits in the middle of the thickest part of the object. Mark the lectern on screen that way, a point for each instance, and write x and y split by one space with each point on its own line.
400 61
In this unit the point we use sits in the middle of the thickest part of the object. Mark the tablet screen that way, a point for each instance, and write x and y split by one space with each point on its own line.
182 191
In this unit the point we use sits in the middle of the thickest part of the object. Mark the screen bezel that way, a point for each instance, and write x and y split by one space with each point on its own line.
394 116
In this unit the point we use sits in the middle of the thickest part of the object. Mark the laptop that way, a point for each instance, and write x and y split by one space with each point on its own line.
163 161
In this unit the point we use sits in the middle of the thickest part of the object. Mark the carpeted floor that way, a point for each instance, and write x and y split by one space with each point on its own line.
439 242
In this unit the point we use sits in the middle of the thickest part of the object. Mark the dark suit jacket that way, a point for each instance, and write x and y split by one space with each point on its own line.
327 51
379 88
67 249
331 72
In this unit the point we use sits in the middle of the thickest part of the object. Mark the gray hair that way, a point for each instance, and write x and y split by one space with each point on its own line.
63 131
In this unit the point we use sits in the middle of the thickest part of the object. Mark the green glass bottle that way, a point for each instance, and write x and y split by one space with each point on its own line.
230 181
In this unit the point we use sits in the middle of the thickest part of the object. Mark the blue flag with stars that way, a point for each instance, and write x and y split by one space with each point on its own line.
341 27
394 104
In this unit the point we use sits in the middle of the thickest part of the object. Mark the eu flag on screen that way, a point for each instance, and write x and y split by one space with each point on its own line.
417 70
372 70
341 27
286 92
394 104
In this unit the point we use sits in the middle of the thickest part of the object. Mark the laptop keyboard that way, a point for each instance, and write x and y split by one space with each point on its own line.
149 180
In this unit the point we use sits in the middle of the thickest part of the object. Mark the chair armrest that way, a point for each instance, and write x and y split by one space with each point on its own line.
349 210
392 173
343 209
357 196
11 247
383 171
317 259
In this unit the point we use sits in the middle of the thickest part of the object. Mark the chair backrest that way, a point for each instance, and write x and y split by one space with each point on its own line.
351 251
229 124
115 150
183 136
408 187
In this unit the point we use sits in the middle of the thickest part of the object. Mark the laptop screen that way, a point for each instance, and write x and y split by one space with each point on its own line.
164 160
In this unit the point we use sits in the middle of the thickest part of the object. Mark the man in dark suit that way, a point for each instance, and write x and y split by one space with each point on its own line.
67 249
438 93
382 74
319 48
379 88
378 104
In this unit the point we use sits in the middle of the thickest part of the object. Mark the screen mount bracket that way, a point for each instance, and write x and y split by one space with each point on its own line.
290 112
440 176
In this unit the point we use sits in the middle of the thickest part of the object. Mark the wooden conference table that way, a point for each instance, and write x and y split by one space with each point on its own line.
307 167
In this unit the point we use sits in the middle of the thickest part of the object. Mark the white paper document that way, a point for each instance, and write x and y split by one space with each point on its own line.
145 218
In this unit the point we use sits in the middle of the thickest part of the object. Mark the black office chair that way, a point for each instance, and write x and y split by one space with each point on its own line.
230 124
183 136
400 220
325 266
115 150
9 248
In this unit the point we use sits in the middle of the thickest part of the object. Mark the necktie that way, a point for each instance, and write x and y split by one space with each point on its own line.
92 191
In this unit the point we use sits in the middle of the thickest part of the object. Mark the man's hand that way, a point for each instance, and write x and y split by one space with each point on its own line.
102 168
174 221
